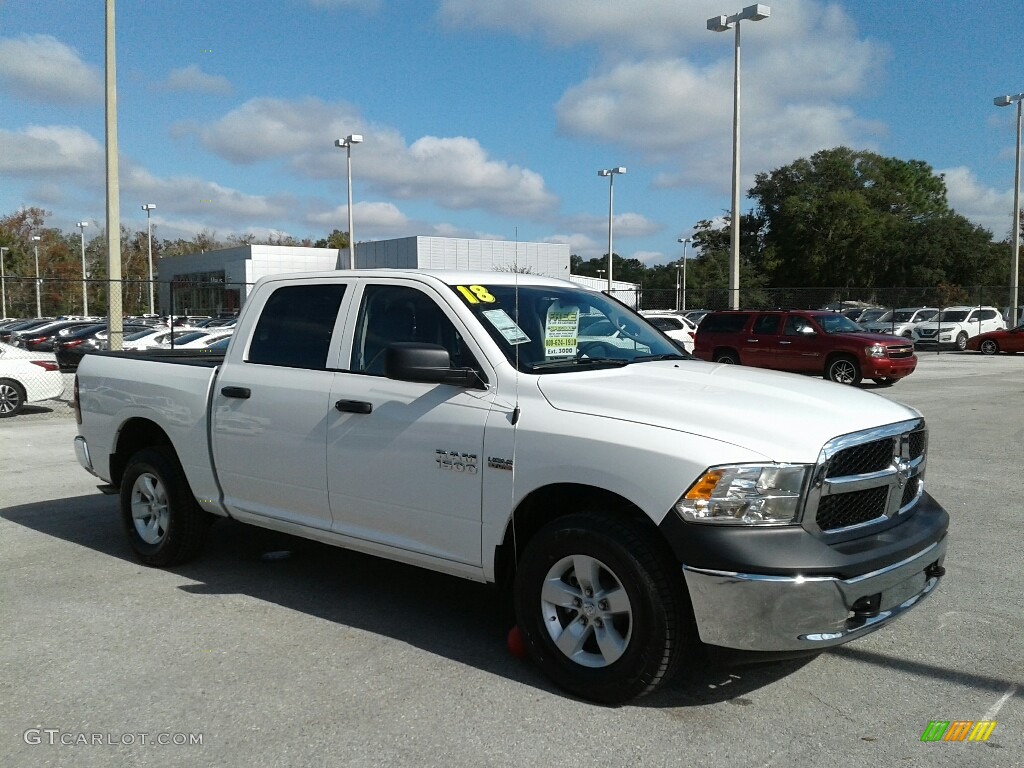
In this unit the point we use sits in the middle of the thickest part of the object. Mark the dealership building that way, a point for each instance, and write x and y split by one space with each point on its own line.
216 282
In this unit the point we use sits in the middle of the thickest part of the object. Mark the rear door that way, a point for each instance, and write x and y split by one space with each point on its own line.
405 459
761 346
272 407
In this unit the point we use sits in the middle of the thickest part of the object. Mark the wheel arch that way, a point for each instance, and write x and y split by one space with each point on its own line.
134 435
554 501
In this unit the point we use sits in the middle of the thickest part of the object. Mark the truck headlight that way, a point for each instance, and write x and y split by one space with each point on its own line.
875 350
746 494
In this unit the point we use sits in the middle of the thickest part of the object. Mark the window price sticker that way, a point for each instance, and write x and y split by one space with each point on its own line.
561 330
506 326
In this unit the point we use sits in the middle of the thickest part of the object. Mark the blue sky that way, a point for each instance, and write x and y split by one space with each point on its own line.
490 118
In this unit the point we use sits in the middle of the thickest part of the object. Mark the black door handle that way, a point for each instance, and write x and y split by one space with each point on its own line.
354 406
241 392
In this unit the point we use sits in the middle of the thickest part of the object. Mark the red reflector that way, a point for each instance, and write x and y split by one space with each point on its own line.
72 343
46 365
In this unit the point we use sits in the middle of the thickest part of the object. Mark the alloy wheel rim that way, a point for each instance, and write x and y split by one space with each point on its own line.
150 508
9 398
586 611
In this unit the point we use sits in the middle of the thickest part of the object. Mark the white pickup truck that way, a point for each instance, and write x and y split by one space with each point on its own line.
639 504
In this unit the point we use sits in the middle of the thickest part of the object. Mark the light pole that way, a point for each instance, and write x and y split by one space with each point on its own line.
39 305
346 144
148 208
685 241
1005 101
610 173
85 287
721 24
3 279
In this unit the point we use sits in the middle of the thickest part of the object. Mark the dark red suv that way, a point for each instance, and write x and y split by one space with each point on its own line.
804 341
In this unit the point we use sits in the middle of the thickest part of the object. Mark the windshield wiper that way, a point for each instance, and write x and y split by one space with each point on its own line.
666 356
615 362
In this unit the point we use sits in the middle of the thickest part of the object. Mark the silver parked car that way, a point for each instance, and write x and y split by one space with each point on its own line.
900 322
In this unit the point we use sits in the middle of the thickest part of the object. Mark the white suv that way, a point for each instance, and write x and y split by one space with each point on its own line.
955 325
900 322
675 326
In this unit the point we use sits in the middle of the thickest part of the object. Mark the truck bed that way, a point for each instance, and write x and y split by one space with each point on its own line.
177 356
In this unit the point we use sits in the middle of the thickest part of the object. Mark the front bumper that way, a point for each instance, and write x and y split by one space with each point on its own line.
754 612
886 368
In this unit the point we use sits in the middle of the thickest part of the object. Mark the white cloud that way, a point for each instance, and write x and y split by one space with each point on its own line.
205 199
366 217
49 150
40 68
984 206
453 172
623 225
192 78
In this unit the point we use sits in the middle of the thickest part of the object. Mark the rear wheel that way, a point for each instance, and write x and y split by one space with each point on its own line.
961 341
164 523
601 608
727 357
12 398
843 370
989 347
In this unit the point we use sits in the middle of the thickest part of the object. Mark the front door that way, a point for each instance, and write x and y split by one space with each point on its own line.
405 459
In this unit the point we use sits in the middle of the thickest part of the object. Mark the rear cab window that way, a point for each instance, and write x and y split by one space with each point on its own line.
296 325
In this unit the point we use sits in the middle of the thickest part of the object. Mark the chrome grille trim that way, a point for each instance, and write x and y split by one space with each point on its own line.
901 447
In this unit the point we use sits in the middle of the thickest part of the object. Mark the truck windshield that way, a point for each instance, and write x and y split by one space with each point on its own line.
543 329
838 324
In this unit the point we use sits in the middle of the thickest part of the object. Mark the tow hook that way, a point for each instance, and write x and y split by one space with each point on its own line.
934 571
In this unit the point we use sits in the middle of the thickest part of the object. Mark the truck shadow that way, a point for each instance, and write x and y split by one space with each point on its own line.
453 618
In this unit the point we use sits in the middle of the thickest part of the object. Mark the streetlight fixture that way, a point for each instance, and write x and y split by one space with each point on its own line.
85 287
148 208
1005 101
721 24
346 144
685 241
39 306
3 279
610 173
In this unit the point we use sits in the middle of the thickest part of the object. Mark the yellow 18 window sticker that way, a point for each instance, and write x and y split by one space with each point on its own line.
475 294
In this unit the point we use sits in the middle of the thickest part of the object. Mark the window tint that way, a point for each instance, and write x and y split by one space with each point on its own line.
395 313
295 326
723 323
987 314
799 326
666 323
766 324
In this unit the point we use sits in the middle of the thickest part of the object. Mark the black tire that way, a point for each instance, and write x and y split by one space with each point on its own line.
12 398
989 347
726 357
884 382
961 341
617 649
843 370
164 523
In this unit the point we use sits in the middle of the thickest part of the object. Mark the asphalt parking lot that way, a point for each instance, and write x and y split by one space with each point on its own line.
274 651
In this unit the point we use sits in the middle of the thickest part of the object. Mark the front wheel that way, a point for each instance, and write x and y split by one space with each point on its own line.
601 608
961 341
843 370
12 398
727 357
164 523
989 347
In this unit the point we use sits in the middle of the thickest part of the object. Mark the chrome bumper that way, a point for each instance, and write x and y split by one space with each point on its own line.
787 613
82 454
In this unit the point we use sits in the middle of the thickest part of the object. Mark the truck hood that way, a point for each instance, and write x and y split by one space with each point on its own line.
784 417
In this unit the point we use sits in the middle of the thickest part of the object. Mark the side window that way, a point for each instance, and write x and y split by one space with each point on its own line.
295 327
395 313
988 314
724 323
766 324
797 326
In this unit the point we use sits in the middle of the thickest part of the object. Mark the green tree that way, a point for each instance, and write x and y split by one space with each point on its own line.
337 239
846 218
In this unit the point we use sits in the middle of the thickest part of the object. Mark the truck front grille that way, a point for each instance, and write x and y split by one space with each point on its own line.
867 478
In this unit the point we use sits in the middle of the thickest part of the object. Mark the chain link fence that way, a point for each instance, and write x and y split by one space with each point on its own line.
185 301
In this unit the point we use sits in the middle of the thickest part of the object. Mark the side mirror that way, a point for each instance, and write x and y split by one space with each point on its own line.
425 363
